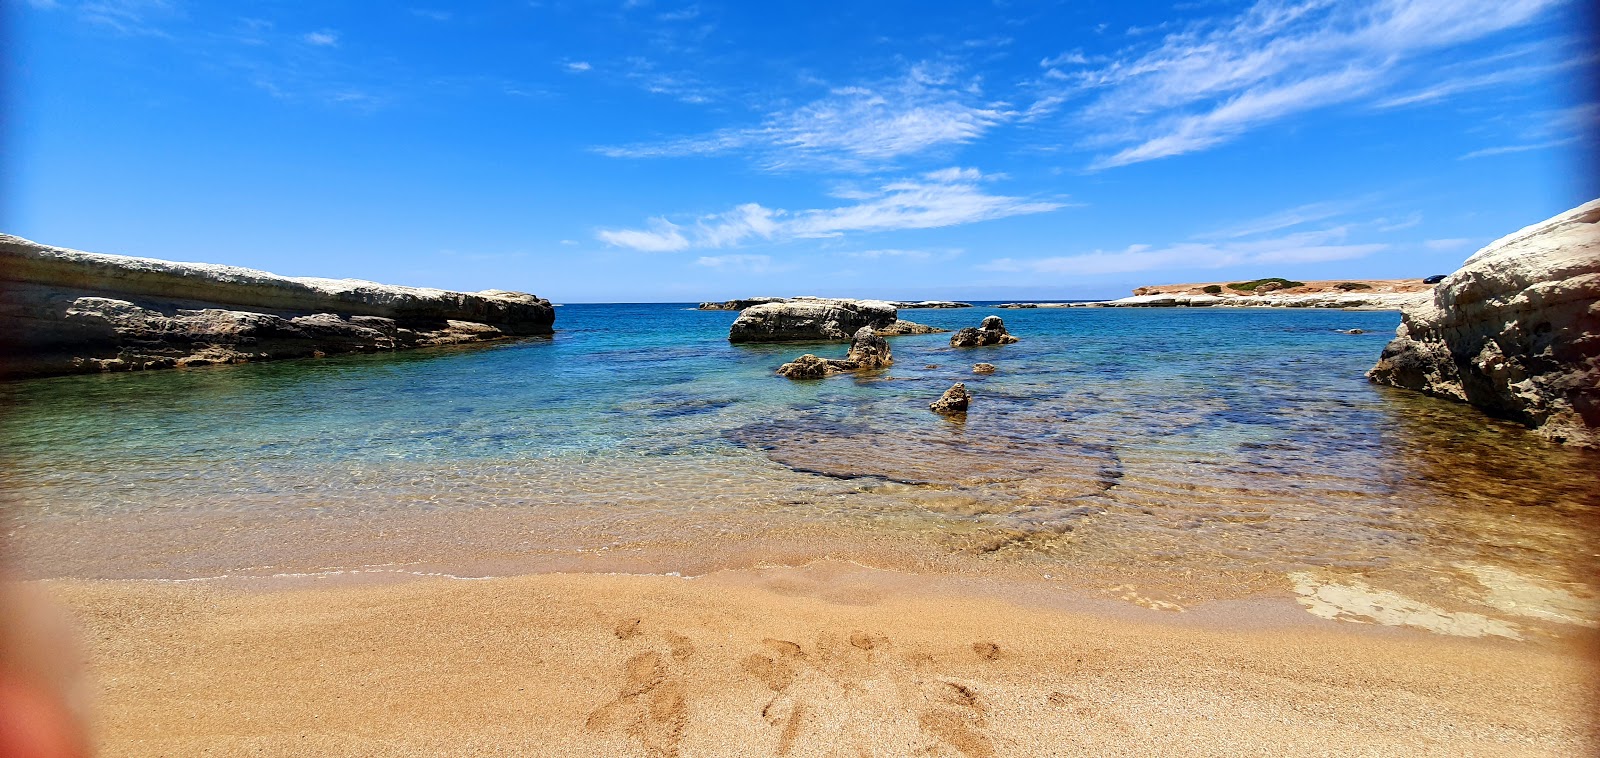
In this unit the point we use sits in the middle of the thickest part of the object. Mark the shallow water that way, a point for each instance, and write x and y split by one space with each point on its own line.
1210 447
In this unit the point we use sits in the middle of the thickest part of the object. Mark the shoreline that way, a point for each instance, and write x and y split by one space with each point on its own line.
792 660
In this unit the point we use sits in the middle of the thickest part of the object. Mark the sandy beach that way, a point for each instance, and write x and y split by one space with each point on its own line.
829 659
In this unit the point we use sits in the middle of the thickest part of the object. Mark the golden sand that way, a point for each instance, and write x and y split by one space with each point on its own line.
831 659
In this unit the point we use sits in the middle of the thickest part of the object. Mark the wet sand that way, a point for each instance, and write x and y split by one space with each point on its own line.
831 659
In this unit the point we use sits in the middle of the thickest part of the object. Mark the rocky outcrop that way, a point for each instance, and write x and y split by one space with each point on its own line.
909 305
67 311
954 400
983 368
867 351
739 305
1515 331
901 328
991 332
804 320
1357 300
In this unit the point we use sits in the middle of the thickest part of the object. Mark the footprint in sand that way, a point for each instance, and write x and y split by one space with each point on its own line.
857 695
652 704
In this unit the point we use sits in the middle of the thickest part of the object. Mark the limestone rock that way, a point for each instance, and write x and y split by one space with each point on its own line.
902 327
1515 331
991 332
954 400
807 366
739 305
983 368
906 304
810 319
67 311
867 351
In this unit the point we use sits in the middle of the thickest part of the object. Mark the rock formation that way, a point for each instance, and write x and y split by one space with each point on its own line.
910 305
810 320
1515 331
954 400
739 305
867 351
67 311
901 327
991 332
983 368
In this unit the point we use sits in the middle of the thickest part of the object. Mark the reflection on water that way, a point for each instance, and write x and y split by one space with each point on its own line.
1228 446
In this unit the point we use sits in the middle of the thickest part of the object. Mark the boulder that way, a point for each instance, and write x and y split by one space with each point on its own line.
991 332
68 311
1515 331
867 351
983 368
810 319
807 366
954 400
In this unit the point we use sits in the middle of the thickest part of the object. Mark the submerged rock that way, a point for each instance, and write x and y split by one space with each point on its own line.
68 311
1515 331
809 319
983 368
867 351
991 332
902 327
954 400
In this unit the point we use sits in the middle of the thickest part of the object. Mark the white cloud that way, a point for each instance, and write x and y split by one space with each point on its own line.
1447 244
663 236
1214 81
322 38
578 66
949 197
852 127
1505 149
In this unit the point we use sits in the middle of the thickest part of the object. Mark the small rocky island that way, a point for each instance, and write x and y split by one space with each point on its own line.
1515 331
67 311
820 319
992 331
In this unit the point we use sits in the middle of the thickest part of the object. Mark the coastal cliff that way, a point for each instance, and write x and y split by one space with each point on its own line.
66 311
1515 331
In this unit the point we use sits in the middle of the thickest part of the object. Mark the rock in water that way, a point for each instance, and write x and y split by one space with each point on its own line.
954 400
68 311
983 368
1515 331
867 351
991 332
807 366
809 320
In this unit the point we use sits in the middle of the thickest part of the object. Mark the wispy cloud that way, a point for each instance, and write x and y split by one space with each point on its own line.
1302 247
1215 80
1447 244
744 264
322 38
949 197
855 127
577 66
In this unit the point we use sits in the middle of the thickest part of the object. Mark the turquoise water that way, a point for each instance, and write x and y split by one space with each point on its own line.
1238 440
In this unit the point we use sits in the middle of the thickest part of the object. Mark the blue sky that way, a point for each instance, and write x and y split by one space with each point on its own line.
646 150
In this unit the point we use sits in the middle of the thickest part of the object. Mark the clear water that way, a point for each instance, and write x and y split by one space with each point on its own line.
1190 442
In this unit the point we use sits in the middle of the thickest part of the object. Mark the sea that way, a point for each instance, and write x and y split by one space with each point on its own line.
1172 455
